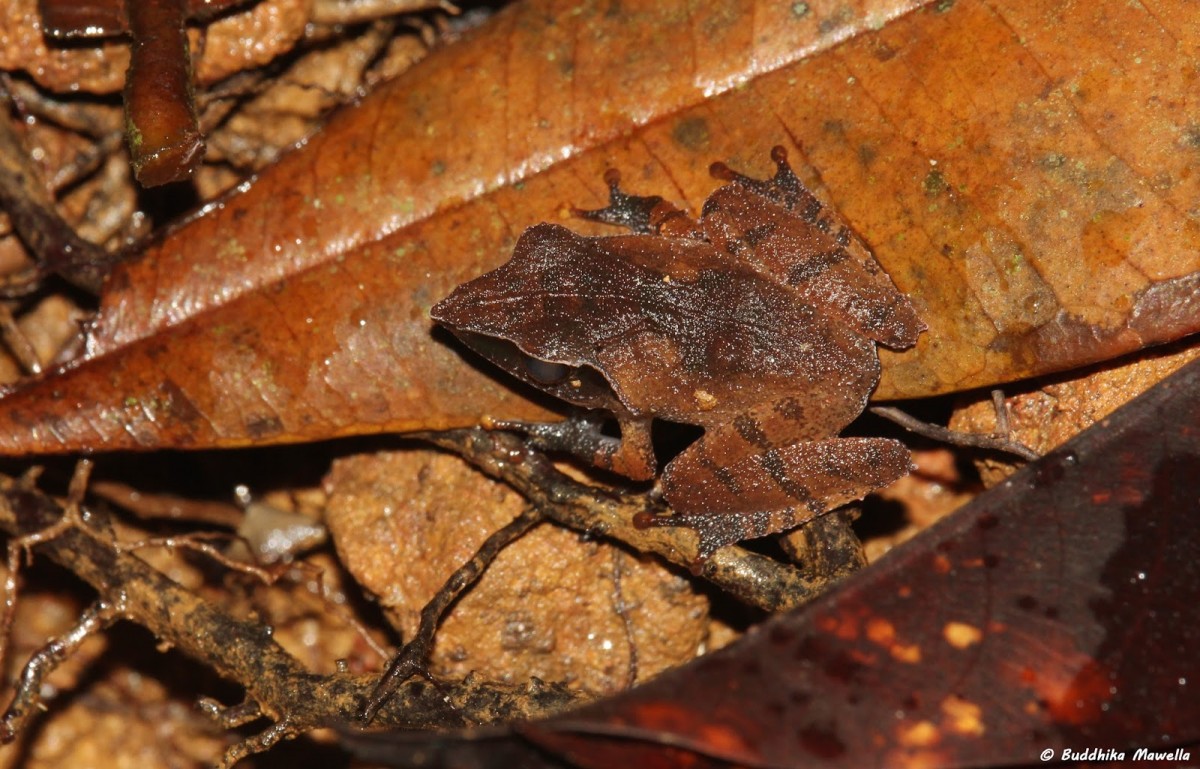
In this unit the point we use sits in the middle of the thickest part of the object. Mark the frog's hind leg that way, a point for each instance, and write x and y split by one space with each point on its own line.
643 214
810 248
727 498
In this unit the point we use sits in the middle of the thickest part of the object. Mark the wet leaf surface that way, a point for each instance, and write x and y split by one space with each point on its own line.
1056 612
1034 210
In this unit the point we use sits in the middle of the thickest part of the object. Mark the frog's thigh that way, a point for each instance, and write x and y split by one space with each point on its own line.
751 494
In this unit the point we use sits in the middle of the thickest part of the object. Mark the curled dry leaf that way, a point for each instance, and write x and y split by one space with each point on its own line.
1031 203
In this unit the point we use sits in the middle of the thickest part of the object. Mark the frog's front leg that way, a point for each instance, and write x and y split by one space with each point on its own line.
728 490
643 214
581 435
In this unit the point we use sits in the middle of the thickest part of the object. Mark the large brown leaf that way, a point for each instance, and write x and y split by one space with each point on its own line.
1023 172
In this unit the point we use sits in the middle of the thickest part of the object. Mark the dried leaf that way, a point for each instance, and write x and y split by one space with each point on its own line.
404 521
1029 200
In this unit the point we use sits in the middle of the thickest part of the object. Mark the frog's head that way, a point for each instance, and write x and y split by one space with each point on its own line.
530 317
579 384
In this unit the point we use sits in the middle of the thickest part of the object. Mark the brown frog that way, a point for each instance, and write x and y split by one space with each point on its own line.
758 322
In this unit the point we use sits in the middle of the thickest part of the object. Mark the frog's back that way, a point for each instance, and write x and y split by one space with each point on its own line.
679 329
716 338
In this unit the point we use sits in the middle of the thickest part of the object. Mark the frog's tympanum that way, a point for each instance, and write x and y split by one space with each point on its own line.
758 323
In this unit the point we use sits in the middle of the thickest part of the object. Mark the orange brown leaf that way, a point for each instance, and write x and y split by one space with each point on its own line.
1018 172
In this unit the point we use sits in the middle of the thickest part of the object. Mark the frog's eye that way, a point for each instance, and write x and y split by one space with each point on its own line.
547 372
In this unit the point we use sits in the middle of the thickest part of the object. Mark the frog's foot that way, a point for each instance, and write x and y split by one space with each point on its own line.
773 490
784 187
714 531
641 214
582 435
632 212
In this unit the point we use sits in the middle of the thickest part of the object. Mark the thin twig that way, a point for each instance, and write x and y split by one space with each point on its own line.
268 574
201 542
28 697
1001 408
23 546
30 101
16 341
993 442
231 716
55 246
622 610
283 729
